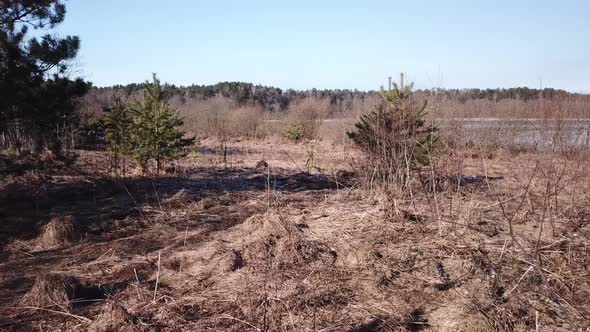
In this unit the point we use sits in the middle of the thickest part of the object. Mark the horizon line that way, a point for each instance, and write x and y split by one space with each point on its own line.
341 89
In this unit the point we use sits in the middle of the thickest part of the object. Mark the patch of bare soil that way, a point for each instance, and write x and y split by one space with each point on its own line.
500 247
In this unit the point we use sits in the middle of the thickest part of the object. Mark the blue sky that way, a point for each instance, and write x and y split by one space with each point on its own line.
334 44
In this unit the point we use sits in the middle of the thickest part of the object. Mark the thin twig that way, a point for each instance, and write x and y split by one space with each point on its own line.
239 320
519 281
156 192
137 286
81 318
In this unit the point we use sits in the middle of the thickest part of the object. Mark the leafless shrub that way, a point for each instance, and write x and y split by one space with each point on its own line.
305 118
205 118
222 119
247 122
556 124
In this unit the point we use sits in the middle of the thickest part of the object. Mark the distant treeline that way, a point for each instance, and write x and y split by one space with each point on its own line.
521 93
275 99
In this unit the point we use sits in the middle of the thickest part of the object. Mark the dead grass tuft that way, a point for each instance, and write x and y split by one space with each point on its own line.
113 317
181 198
284 239
459 316
267 224
50 291
57 233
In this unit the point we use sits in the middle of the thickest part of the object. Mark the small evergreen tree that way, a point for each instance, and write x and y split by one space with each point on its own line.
117 129
156 130
145 130
395 136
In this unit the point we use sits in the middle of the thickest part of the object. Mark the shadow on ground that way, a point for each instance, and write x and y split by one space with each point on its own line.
96 202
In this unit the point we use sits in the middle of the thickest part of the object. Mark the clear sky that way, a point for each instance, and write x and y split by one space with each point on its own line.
335 44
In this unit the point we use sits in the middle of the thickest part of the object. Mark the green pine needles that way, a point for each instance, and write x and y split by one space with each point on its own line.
117 123
395 136
146 130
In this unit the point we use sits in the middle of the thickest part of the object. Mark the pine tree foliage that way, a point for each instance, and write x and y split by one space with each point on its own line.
36 96
117 124
156 133
395 136
146 130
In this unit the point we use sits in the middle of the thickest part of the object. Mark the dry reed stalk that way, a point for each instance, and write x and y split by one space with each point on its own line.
157 277
137 286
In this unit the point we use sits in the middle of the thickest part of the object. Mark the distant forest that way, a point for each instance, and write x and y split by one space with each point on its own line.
275 99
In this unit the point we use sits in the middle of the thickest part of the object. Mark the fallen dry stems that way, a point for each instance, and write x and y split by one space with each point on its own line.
64 313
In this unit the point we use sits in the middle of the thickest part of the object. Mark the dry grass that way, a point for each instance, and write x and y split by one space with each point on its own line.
58 232
179 199
15 143
493 236
114 317
50 291
500 245
459 316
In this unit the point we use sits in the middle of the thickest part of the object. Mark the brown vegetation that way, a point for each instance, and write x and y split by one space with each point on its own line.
304 119
114 317
318 210
56 233
499 245
50 291
490 236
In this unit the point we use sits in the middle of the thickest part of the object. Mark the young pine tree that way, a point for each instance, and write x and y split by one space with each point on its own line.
117 128
155 129
395 136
